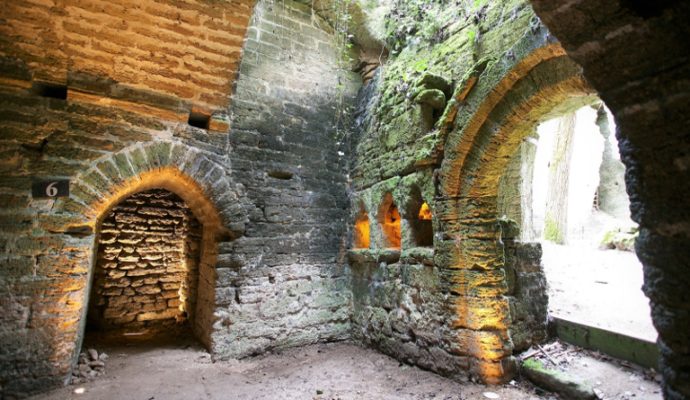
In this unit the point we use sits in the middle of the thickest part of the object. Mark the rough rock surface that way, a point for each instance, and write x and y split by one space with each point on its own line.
91 365
146 268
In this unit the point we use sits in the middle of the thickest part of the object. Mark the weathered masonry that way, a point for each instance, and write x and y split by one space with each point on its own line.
273 174
147 264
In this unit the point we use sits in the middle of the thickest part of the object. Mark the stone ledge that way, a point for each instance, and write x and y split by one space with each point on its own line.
363 256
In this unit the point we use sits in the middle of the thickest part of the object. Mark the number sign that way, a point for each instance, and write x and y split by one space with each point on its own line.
50 189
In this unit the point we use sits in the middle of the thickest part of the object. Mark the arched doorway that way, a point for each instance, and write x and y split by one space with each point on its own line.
494 305
147 267
136 202
635 55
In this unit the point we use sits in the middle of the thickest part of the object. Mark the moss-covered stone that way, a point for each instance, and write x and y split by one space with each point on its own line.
434 98
556 381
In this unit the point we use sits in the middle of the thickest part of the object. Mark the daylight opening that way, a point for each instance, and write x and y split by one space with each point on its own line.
565 188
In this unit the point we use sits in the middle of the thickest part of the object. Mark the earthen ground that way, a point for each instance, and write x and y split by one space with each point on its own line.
325 371
601 288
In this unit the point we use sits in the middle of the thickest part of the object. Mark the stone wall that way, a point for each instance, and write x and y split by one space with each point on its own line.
73 105
155 53
400 308
286 281
515 189
400 298
446 113
527 293
270 192
146 271
635 55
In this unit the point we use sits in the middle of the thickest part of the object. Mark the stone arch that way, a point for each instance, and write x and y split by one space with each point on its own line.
197 177
499 113
175 164
635 55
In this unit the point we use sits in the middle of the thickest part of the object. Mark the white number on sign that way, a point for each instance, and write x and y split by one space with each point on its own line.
51 190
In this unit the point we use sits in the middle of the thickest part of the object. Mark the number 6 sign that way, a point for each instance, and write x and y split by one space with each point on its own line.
46 189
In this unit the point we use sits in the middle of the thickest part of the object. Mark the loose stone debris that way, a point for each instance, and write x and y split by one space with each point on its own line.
574 372
90 366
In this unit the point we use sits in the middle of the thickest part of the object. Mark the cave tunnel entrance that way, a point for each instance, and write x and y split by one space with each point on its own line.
146 273
565 187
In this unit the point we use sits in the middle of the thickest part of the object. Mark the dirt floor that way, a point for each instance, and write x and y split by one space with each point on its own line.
598 287
610 379
325 371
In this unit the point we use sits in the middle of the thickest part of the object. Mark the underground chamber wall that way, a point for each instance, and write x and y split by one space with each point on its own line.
147 266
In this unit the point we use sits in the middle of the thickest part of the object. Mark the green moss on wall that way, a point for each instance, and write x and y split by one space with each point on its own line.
455 42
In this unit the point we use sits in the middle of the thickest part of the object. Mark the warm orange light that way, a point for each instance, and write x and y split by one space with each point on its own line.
391 227
425 212
362 232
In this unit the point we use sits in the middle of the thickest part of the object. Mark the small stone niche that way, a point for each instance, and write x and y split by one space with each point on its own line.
418 219
422 230
362 237
146 273
389 219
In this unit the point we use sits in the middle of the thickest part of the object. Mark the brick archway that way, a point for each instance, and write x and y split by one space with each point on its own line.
187 172
171 179
476 156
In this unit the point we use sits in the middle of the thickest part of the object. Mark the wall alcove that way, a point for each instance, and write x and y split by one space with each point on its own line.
389 220
362 231
154 258
147 266
419 219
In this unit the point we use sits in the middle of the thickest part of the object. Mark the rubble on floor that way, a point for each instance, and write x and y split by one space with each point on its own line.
90 366
590 372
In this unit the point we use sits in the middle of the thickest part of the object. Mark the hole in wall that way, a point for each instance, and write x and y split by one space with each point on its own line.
284 175
419 219
648 9
49 89
199 120
423 230
36 147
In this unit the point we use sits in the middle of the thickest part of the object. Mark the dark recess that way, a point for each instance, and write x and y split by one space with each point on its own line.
648 9
199 120
48 89
285 175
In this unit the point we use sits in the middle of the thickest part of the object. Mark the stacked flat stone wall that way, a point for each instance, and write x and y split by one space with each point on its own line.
270 191
147 264
286 281
399 308
446 113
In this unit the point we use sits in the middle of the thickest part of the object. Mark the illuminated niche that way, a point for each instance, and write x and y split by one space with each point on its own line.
362 231
389 219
